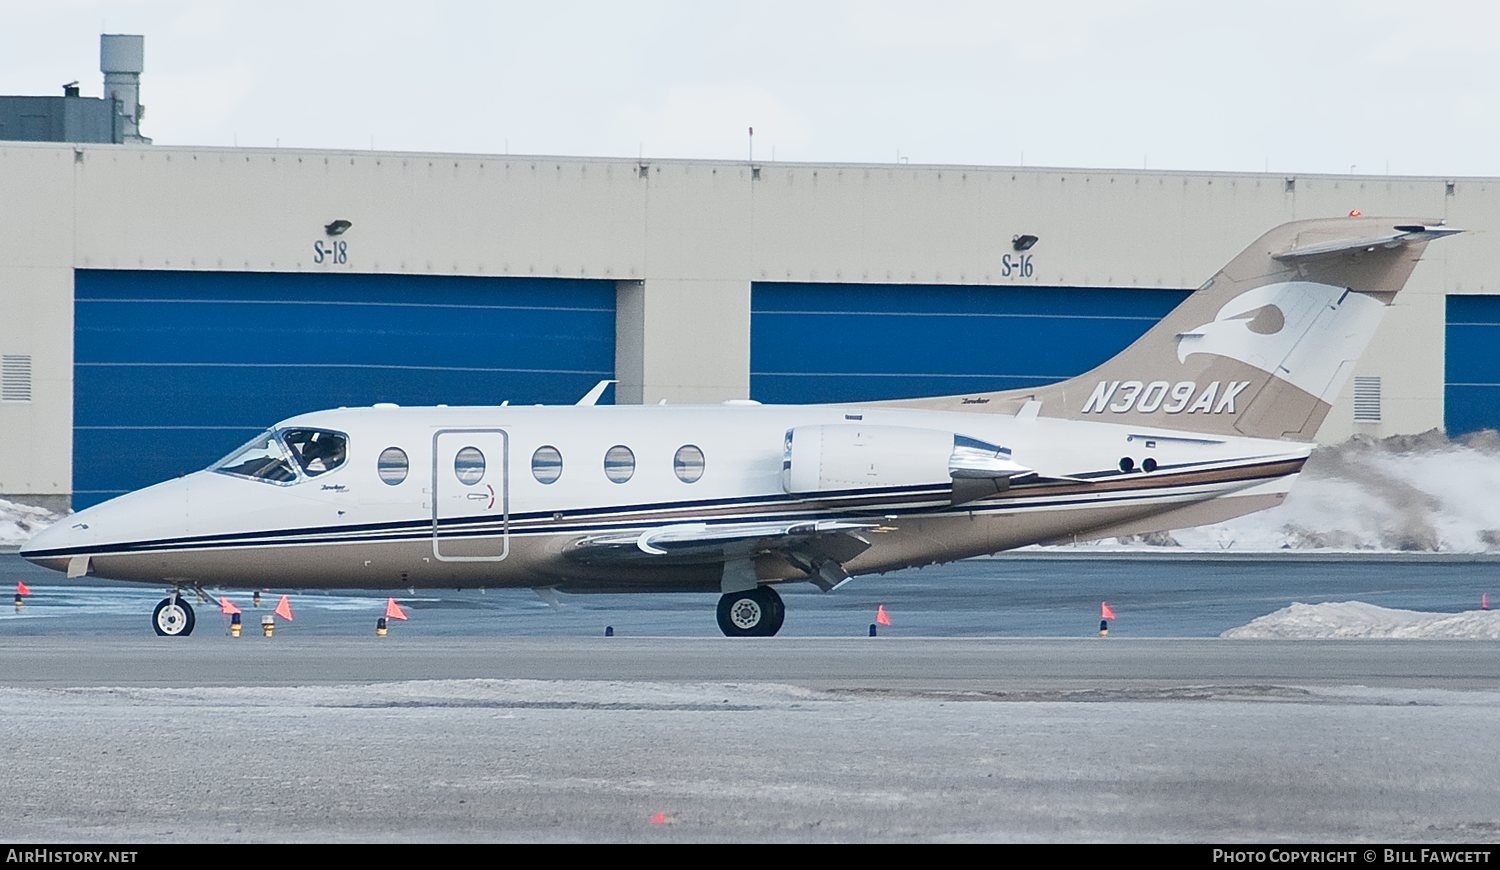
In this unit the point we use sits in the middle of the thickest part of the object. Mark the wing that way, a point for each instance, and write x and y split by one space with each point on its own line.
808 544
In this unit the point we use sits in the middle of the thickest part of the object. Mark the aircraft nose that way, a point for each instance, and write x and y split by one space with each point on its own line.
54 545
113 526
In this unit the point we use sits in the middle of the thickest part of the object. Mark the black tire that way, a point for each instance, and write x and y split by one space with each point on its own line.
778 611
757 612
173 617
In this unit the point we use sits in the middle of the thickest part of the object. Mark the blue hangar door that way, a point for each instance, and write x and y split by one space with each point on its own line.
172 370
1471 372
865 342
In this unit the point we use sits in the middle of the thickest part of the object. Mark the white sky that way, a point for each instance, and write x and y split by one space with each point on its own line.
1369 86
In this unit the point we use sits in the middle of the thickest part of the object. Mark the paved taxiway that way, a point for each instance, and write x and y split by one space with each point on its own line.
660 739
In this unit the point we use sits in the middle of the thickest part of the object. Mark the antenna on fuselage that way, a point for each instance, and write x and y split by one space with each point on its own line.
592 396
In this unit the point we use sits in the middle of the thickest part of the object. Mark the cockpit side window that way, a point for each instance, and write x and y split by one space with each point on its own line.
261 458
317 451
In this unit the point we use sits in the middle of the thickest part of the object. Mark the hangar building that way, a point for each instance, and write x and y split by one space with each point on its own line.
159 305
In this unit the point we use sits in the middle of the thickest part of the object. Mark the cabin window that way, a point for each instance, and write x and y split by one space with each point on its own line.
264 457
688 463
619 463
317 451
468 466
392 465
546 464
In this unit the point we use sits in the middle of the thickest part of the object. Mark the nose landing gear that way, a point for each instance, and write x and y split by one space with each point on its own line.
173 617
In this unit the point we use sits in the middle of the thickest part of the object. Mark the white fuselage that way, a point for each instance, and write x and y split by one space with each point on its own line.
506 496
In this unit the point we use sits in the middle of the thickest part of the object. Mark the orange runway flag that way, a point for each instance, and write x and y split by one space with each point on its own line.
284 609
881 616
227 606
22 588
1105 612
393 610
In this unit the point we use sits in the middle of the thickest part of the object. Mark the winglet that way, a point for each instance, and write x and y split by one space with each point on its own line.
592 396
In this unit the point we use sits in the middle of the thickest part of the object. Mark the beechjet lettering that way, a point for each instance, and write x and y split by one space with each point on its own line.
1183 397
741 498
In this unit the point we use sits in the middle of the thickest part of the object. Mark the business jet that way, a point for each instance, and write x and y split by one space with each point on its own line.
1210 415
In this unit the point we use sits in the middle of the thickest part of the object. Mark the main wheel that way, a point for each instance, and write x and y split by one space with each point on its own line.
757 612
776 610
173 617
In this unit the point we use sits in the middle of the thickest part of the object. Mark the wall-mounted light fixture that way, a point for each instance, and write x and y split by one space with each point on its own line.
1023 242
337 227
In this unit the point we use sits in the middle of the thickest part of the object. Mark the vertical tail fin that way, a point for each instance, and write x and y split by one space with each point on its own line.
1263 348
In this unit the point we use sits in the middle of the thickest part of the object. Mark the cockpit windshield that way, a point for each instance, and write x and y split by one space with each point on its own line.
278 457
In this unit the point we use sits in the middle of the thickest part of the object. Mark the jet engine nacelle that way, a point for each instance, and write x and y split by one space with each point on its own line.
849 456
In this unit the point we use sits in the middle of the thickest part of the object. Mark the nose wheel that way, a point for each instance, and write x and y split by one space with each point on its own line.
756 612
173 617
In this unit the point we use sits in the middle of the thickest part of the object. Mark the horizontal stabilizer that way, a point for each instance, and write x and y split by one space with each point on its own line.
1398 236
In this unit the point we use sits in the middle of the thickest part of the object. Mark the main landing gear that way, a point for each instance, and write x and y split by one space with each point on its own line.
173 617
756 612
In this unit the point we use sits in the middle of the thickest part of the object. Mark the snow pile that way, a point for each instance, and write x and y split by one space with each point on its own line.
18 522
1420 493
1355 619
